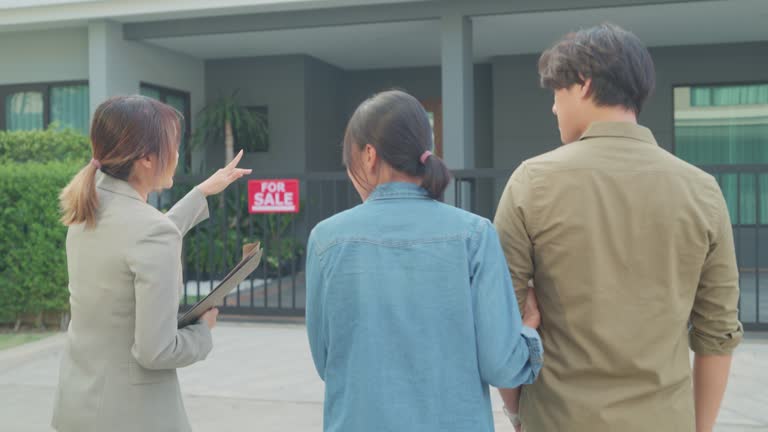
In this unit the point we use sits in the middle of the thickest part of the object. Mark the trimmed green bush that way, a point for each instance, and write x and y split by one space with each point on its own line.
33 271
41 146
34 168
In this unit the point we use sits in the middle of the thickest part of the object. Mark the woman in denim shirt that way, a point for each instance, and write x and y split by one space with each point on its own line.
411 313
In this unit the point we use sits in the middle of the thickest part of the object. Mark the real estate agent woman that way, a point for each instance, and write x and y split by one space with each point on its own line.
118 371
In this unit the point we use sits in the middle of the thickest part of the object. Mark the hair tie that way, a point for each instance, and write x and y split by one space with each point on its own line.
96 163
424 156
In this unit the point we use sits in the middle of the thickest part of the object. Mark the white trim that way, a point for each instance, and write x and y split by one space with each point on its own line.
274 208
30 12
21 4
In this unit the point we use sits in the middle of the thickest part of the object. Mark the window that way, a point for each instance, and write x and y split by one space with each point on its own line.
260 142
729 95
70 106
434 110
727 125
179 100
35 106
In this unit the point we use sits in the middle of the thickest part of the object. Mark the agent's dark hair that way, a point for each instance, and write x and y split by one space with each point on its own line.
617 62
124 130
397 126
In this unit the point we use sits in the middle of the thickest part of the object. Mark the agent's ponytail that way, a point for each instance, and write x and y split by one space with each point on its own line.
124 130
78 200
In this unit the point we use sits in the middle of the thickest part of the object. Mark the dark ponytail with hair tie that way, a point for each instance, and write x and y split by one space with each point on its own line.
396 124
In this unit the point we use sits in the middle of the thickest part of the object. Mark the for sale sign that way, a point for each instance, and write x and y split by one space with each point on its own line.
273 196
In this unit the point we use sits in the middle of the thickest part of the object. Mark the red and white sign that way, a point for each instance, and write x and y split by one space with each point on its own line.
273 196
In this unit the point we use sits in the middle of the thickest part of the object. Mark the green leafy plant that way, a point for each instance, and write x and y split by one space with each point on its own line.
33 271
47 145
281 253
225 120
214 246
34 167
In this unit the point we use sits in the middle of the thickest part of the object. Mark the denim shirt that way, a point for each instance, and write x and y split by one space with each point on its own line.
411 315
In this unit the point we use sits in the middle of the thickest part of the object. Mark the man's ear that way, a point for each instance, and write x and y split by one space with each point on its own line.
585 89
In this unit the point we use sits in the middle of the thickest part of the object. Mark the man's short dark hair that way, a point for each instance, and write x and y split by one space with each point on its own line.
618 63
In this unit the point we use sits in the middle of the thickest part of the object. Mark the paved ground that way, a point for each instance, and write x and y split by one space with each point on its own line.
260 378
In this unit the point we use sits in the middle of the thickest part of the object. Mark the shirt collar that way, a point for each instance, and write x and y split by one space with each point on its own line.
114 185
619 130
397 190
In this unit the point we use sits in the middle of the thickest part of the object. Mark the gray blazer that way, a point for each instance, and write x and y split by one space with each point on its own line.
118 370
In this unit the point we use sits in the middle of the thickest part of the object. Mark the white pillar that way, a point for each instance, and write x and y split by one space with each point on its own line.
114 67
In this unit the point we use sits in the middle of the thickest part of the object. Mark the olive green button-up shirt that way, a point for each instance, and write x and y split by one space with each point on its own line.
632 256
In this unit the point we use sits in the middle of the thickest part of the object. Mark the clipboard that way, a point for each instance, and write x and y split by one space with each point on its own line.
251 259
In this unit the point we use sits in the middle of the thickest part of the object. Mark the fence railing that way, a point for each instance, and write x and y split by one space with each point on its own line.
210 249
277 287
745 188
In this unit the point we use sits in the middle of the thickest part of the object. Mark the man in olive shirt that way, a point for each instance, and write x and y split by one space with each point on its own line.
631 253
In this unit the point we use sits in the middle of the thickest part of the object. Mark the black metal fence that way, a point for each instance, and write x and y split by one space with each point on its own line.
213 247
745 188
277 287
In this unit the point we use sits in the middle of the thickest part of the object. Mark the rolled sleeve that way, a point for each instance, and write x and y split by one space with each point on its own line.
715 328
535 348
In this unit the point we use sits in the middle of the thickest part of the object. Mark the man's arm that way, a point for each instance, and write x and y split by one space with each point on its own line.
513 225
715 327
531 319
710 376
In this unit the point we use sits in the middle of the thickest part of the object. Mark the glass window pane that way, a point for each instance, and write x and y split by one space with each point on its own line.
730 95
259 141
747 199
24 111
727 125
149 92
763 196
701 96
740 95
180 103
70 106
729 187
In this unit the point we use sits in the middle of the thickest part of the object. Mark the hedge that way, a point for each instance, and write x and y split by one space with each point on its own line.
33 271
41 146
34 167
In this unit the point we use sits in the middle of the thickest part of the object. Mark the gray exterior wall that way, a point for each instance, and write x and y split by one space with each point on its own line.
324 127
522 112
44 56
525 127
711 64
311 101
278 83
128 64
425 84
118 67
